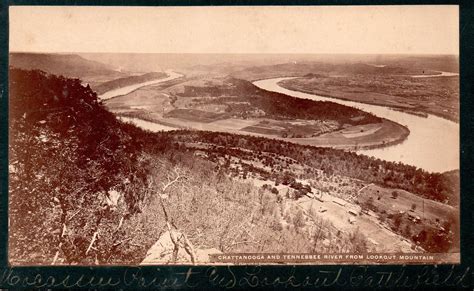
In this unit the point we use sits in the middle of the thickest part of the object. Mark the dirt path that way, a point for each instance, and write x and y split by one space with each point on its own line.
380 238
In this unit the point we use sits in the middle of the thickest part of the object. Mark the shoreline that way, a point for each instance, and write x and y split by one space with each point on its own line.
302 141
366 102
399 140
170 76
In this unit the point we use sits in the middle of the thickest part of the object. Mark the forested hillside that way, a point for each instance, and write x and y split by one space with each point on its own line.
436 186
66 154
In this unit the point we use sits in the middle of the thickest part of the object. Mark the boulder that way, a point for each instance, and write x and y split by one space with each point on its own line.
161 253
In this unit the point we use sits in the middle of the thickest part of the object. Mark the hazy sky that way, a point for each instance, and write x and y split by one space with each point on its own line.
294 29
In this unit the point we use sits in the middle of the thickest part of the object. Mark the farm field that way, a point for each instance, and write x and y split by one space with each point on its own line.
434 95
225 104
362 136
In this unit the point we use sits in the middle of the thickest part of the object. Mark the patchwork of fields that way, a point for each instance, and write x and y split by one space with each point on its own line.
214 104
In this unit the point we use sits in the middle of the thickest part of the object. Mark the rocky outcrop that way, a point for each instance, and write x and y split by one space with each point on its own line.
165 251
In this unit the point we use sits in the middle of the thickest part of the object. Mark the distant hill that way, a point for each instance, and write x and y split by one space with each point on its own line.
385 65
68 65
302 69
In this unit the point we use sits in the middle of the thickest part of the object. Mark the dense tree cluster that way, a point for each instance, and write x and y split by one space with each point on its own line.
277 105
436 186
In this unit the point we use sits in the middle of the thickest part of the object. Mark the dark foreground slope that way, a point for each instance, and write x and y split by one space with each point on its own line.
66 153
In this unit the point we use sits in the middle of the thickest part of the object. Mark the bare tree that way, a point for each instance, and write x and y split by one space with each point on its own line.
178 237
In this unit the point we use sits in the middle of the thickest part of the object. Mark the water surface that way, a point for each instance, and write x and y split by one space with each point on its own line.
128 89
433 143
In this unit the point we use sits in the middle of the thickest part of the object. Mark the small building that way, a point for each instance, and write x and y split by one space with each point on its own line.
200 154
353 212
322 209
339 201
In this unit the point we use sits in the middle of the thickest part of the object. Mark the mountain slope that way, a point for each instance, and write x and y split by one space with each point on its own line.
69 65
67 155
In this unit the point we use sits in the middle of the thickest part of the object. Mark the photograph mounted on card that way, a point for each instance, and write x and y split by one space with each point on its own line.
233 135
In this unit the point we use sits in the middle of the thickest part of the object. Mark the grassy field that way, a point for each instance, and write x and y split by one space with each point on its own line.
195 115
361 136
146 98
293 128
404 201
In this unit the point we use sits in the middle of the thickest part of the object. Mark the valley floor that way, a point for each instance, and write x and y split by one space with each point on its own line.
135 106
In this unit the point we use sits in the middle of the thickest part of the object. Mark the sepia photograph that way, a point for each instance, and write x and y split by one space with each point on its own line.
233 135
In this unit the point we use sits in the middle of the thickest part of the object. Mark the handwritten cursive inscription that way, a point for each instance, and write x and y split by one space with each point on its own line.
234 277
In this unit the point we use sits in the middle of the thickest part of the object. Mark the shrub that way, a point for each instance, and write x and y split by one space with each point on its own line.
298 219
394 194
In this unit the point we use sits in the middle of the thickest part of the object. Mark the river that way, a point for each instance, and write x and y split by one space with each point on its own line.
442 74
128 89
433 143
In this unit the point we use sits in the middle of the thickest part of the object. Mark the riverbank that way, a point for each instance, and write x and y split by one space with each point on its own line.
423 147
131 88
415 145
150 109
372 98
361 137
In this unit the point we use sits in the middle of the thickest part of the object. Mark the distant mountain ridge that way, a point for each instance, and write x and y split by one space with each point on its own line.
388 66
68 65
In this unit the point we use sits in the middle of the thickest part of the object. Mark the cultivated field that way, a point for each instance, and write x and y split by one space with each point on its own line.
436 95
219 104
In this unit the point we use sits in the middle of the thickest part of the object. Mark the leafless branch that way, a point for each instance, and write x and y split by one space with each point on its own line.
188 247
243 242
75 213
63 233
120 224
178 176
121 242
94 237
